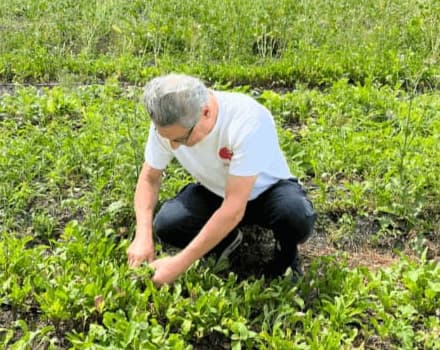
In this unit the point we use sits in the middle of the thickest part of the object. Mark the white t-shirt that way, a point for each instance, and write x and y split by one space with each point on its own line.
243 142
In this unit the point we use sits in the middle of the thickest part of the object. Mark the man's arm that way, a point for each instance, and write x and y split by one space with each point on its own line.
223 221
145 199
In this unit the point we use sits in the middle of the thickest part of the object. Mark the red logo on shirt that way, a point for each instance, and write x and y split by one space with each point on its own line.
225 153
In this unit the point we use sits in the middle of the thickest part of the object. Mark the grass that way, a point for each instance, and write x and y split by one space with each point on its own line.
356 146
71 211
354 90
283 42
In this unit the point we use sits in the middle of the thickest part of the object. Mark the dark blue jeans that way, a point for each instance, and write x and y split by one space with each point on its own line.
283 208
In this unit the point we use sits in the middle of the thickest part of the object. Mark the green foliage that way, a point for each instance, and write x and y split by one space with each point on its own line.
369 149
70 159
365 142
282 42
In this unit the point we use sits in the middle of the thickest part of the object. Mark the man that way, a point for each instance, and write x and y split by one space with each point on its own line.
228 143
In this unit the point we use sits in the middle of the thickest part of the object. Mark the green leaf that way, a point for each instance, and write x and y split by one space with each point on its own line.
186 326
116 206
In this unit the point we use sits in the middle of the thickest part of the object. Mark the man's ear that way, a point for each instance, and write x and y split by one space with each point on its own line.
206 112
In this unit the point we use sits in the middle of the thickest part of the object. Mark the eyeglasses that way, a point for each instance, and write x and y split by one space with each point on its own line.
184 139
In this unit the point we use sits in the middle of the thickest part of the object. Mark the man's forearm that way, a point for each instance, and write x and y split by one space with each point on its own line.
145 200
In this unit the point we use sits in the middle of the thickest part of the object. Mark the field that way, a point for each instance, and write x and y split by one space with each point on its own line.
354 87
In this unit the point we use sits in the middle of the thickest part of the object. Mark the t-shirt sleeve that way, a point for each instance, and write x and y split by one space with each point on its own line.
157 152
254 146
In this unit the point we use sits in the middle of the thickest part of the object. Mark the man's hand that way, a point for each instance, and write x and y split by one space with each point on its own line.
140 249
167 269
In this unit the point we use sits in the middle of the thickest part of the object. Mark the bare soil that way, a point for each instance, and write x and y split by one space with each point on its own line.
360 248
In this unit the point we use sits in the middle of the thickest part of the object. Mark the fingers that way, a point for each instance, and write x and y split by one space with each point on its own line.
136 257
156 281
134 261
158 278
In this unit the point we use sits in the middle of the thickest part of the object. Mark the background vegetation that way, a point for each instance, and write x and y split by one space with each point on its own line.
354 88
281 42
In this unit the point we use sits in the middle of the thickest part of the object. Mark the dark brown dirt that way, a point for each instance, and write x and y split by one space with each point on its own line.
359 248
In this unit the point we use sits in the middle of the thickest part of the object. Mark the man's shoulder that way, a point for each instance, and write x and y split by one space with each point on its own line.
240 103
236 96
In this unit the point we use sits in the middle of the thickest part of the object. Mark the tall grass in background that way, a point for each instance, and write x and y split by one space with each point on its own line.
279 42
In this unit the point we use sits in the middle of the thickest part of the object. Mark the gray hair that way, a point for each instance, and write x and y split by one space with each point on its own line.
175 99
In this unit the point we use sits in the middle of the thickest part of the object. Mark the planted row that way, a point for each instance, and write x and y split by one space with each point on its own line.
258 42
360 150
81 294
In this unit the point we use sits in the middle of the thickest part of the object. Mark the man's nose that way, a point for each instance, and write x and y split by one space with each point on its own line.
174 145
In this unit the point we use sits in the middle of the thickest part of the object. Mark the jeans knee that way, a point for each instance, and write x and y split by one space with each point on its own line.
307 225
160 226
168 220
307 221
296 221
174 224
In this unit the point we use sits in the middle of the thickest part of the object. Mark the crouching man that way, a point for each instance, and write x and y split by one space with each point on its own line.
228 143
